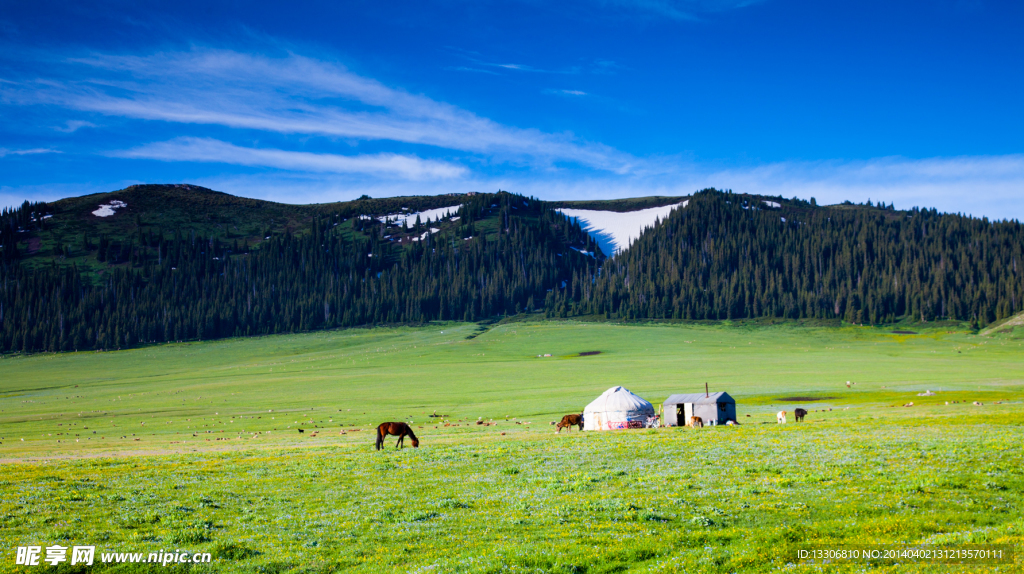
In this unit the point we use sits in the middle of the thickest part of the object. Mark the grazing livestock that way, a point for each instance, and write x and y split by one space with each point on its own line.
780 417
799 414
696 422
401 430
569 421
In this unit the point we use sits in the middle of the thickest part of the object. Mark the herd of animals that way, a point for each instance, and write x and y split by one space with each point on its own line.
402 430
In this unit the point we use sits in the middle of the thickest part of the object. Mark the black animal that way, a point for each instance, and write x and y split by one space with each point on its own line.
800 414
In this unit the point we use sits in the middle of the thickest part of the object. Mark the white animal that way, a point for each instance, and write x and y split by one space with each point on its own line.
781 417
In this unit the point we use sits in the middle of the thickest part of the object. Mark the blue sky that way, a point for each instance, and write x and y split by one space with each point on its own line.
916 103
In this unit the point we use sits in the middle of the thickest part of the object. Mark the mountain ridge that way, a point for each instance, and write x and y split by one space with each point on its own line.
181 262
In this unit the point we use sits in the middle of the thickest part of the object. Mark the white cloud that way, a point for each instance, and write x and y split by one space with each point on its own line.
296 95
680 9
477 59
71 126
468 69
525 68
566 92
215 151
6 152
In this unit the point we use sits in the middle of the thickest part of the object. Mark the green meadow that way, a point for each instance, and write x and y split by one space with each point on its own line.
196 447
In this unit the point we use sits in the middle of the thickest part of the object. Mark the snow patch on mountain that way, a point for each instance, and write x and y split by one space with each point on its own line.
409 219
424 235
614 231
108 209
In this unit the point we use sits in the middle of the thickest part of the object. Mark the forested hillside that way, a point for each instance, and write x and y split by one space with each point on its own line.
500 255
730 256
185 263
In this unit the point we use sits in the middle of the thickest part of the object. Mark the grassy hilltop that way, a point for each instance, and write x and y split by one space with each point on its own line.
212 460
72 234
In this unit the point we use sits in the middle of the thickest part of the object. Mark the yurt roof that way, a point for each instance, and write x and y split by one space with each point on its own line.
700 399
618 399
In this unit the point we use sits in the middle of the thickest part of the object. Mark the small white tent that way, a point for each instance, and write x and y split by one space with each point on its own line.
617 408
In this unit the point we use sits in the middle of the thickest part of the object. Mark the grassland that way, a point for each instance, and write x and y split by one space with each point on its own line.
211 460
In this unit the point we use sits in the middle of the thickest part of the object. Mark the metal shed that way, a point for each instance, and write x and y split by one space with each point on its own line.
713 408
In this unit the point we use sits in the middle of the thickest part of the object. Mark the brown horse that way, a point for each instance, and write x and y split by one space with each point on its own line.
696 422
401 430
569 421
800 414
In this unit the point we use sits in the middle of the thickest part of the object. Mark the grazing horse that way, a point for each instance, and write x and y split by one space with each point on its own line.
781 417
569 421
800 414
398 429
696 422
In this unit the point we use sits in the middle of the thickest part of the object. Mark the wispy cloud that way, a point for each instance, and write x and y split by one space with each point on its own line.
679 9
575 93
215 151
71 126
6 152
482 63
295 95
526 68
468 69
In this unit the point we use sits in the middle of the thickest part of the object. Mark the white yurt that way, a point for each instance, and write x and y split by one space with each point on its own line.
617 408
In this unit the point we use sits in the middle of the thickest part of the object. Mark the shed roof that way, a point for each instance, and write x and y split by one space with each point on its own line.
698 399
